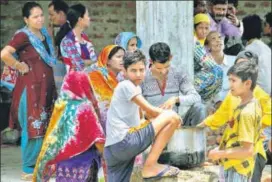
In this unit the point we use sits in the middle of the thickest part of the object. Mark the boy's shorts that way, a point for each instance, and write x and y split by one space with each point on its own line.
120 156
231 175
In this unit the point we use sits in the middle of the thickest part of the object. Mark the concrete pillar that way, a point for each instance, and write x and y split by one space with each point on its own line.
170 22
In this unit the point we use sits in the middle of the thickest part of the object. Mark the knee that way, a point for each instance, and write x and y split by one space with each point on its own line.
173 117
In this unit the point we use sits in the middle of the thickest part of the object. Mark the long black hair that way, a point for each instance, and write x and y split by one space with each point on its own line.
74 13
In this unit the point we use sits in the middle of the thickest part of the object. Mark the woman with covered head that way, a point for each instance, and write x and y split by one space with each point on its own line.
34 91
74 139
104 78
129 41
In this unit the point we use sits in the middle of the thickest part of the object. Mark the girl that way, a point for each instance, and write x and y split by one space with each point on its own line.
202 27
76 49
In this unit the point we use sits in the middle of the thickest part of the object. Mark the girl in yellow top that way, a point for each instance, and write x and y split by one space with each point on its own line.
202 27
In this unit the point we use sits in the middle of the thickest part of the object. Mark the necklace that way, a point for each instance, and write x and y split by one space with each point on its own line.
39 34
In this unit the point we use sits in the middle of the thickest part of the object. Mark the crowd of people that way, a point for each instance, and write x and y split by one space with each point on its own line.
78 111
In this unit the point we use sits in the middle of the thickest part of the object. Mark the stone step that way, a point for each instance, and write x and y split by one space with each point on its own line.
199 174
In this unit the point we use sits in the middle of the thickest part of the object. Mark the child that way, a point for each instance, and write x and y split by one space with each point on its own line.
125 137
202 27
237 149
129 41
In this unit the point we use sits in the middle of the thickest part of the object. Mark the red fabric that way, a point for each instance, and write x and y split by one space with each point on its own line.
39 83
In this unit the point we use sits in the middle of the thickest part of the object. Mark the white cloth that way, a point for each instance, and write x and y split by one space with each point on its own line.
123 113
226 64
264 66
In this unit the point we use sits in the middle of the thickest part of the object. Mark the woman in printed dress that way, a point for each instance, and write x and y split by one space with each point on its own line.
76 49
34 91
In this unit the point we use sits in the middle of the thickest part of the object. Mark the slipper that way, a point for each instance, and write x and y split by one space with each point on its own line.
169 171
27 177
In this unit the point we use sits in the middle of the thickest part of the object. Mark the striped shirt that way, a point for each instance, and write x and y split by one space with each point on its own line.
177 84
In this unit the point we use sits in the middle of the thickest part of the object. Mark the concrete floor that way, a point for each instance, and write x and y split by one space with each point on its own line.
11 164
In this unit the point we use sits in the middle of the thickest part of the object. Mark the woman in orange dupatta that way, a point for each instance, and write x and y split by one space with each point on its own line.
103 79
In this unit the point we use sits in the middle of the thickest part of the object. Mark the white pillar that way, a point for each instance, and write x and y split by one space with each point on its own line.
170 22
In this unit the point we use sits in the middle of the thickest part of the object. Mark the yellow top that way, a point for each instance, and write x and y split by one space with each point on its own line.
245 127
225 112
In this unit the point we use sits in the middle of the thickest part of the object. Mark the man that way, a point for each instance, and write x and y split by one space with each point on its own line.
200 6
268 27
163 84
57 18
232 7
229 25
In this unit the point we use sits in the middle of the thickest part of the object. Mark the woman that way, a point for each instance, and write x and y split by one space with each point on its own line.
74 136
202 27
208 75
103 79
215 47
34 90
76 49
129 41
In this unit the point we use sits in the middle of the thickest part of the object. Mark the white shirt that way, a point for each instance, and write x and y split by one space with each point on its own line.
264 66
226 64
123 113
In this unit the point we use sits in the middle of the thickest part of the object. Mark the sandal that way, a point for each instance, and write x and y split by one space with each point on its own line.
169 171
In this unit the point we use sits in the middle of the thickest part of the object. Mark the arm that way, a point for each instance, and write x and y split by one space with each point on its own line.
265 102
144 105
246 150
9 60
190 96
229 29
221 116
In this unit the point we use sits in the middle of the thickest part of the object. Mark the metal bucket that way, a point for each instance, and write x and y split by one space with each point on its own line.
186 149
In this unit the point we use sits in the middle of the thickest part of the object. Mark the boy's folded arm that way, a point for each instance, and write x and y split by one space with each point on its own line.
145 106
245 150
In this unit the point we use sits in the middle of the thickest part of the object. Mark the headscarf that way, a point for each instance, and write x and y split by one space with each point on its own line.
103 83
200 18
123 39
74 126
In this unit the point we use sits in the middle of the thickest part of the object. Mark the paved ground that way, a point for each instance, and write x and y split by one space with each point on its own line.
11 163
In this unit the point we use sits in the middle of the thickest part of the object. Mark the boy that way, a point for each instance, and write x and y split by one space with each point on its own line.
225 113
238 146
125 137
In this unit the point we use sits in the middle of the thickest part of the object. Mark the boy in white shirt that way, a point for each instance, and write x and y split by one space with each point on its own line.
126 137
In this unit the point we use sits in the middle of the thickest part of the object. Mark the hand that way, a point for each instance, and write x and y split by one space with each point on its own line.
201 125
22 67
214 154
234 20
169 104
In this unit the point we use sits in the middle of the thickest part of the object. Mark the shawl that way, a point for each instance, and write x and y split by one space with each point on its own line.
103 83
74 126
208 76
123 38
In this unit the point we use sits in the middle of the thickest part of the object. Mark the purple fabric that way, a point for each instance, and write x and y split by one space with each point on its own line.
225 28
80 168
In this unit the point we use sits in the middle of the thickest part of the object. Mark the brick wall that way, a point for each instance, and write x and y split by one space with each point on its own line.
254 7
108 18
